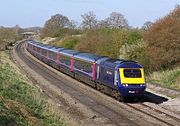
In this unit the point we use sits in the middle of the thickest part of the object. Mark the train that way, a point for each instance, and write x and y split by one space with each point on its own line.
118 78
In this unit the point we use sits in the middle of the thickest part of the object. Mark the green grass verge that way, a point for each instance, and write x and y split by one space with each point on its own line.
168 78
23 104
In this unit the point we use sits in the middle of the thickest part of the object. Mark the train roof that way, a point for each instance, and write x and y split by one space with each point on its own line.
45 46
51 48
69 52
110 62
101 60
87 57
32 42
56 49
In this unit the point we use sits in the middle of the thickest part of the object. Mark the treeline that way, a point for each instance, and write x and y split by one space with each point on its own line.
59 25
8 36
156 45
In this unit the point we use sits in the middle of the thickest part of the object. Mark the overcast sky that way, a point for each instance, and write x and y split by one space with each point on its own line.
28 13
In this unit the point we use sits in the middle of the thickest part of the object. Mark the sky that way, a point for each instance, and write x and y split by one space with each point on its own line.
30 13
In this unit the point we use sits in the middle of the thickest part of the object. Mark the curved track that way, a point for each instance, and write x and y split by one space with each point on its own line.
116 117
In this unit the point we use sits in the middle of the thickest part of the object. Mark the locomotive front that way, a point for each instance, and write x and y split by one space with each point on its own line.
130 79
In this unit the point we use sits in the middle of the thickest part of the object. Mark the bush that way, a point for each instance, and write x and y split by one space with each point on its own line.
107 42
134 36
69 43
66 32
90 42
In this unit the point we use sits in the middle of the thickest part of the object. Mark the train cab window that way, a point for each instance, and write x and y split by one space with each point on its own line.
132 73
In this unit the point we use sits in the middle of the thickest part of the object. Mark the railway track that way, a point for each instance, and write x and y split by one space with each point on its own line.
111 113
166 118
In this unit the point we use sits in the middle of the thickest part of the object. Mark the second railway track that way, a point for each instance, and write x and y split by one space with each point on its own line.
162 116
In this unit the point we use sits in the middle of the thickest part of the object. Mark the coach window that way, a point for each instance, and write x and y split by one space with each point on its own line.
34 48
38 49
67 61
60 59
54 56
88 67
50 54
44 52
77 64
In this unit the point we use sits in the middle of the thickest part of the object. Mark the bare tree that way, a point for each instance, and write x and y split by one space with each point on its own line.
103 24
56 22
73 24
147 25
116 20
89 20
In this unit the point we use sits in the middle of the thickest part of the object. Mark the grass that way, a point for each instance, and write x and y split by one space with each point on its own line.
168 78
22 103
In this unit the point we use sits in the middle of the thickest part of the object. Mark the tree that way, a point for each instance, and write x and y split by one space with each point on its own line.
103 24
163 41
116 21
73 24
56 22
147 25
89 20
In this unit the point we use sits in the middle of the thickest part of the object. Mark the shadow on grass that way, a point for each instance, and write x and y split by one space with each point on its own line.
6 121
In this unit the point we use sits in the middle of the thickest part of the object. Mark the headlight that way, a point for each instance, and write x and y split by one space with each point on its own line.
125 85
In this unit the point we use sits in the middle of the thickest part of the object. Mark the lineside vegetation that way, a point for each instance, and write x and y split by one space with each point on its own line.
22 103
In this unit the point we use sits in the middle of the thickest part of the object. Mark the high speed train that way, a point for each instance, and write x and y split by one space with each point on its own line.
116 77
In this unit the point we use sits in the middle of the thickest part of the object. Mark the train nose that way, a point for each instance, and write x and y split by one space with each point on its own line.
132 91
